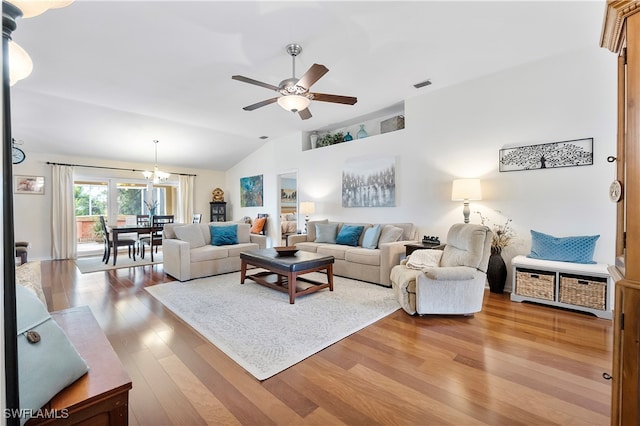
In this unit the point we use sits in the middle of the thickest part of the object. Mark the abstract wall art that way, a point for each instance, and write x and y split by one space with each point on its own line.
369 182
251 191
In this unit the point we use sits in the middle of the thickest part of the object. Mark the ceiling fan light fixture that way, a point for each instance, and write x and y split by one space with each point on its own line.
294 103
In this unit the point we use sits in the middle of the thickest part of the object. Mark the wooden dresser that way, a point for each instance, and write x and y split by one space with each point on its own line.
621 35
100 397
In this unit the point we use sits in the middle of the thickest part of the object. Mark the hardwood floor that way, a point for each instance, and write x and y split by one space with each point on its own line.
511 364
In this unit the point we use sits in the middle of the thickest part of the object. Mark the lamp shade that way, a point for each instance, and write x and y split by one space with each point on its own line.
466 189
294 103
20 64
307 207
31 8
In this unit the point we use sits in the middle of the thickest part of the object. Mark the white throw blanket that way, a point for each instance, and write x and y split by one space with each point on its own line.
421 259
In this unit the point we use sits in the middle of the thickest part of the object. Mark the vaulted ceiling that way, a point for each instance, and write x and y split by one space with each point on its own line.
111 76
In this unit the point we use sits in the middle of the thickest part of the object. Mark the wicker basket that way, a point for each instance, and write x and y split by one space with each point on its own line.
538 284
583 291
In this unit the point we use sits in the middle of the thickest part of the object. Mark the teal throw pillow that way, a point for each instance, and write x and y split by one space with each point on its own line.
49 362
564 249
349 235
224 235
371 237
326 232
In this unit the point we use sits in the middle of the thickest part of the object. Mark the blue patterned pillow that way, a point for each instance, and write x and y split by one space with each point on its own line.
566 249
224 235
349 235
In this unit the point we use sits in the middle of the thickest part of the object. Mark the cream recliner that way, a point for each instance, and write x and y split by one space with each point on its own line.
456 284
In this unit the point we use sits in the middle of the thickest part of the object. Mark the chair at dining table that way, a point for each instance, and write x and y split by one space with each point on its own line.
158 221
108 243
142 220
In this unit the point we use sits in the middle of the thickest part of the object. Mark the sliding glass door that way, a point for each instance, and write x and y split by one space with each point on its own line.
119 201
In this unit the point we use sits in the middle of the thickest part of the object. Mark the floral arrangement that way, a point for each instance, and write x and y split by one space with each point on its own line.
152 206
502 234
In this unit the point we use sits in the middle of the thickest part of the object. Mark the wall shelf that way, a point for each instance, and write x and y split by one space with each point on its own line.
371 125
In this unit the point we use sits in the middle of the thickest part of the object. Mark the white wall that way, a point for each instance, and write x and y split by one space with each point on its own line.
457 132
33 212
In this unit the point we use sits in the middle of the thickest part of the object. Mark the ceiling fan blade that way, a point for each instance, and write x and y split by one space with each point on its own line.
312 75
305 114
260 104
256 82
323 97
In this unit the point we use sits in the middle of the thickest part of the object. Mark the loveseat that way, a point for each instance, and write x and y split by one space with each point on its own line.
369 257
188 251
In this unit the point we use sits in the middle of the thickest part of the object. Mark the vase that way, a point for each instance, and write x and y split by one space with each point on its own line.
314 140
362 133
347 137
152 212
496 271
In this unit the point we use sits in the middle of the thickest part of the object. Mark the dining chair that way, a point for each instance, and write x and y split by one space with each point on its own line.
142 220
197 218
158 221
108 243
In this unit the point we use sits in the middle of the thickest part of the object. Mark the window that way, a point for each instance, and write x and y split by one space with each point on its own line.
91 198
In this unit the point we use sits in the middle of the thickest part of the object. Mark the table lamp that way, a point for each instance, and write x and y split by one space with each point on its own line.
307 208
465 190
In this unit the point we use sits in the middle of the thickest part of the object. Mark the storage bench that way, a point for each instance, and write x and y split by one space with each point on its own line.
582 287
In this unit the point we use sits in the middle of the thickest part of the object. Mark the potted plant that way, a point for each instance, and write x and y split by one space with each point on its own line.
497 268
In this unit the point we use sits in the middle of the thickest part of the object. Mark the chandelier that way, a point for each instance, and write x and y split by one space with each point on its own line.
156 176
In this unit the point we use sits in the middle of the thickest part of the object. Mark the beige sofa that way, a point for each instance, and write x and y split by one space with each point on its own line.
357 262
187 251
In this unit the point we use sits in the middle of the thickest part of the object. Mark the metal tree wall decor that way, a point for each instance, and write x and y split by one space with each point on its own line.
578 152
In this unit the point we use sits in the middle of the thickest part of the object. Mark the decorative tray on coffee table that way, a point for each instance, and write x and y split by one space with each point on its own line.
286 250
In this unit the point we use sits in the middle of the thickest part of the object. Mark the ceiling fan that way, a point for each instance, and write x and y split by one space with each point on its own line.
294 93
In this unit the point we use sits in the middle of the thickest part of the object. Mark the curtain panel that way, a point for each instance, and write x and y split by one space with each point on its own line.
185 199
63 214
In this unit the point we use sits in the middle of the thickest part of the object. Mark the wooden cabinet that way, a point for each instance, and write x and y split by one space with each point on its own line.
218 211
621 35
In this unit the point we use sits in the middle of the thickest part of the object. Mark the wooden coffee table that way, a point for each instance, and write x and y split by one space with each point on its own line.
283 272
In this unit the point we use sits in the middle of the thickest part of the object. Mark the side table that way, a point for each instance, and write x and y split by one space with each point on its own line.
410 248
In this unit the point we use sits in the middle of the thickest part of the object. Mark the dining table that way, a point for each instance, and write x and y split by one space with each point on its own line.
131 229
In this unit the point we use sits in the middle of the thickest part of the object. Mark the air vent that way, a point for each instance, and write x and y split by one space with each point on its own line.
263 137
422 84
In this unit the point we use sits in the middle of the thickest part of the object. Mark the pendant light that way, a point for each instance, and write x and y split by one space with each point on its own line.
156 176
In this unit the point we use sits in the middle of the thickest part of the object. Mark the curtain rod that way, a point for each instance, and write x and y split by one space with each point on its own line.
111 168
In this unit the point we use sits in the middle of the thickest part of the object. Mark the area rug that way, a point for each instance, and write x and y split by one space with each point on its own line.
95 264
258 328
